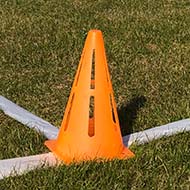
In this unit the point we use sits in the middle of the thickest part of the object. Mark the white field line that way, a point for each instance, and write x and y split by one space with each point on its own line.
19 165
51 132
25 117
157 132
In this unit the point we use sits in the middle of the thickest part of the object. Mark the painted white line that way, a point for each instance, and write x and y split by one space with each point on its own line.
51 131
18 166
25 117
157 132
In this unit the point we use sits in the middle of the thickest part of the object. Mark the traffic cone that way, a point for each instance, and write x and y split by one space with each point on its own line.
90 127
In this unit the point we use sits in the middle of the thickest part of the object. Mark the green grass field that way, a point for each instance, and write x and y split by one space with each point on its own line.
148 51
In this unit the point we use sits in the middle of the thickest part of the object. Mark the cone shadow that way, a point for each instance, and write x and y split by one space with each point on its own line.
128 114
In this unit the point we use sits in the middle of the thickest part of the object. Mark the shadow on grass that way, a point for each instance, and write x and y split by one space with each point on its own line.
128 113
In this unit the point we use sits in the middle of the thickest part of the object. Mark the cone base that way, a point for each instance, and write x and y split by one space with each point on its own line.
51 144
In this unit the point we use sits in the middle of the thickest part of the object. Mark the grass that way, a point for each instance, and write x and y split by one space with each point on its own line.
17 140
147 45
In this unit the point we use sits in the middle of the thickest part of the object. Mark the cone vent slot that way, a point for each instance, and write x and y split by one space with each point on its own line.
92 85
91 130
107 75
79 69
107 71
112 109
69 113
78 74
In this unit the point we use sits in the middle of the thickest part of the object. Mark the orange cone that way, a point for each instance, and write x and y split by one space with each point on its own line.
90 127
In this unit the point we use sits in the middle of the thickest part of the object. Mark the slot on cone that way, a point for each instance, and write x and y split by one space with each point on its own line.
90 127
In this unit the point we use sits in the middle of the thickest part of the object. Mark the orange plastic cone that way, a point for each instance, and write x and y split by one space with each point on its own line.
90 127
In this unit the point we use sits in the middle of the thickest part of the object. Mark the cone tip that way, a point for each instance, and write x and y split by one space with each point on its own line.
94 31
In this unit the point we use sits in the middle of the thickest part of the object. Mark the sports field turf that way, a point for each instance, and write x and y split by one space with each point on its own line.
148 52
